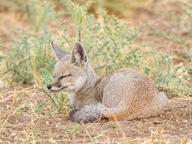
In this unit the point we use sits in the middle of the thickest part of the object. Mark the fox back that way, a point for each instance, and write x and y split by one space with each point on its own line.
123 94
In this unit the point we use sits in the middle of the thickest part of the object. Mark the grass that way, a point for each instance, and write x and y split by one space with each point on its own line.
111 43
108 42
182 39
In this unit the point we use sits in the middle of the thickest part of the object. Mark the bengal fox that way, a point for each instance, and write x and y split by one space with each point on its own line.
123 94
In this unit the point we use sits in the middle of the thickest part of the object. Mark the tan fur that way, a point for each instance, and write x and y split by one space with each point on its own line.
123 94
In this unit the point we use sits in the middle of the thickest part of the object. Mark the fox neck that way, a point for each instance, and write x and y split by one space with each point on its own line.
89 93
92 79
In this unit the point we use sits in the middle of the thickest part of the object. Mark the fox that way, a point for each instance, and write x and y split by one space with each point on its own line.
125 94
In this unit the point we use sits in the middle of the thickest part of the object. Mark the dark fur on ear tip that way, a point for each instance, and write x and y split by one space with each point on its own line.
79 49
78 54
58 52
53 45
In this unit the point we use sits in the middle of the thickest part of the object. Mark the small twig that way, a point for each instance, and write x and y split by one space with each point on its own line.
79 34
8 92
47 94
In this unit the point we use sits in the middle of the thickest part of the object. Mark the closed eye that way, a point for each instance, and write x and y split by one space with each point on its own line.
64 76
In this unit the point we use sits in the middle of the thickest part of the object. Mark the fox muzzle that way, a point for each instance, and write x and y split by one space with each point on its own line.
49 86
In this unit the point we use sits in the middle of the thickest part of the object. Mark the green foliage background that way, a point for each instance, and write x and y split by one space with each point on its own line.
109 43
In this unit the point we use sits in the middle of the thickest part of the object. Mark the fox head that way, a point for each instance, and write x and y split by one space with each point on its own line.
70 72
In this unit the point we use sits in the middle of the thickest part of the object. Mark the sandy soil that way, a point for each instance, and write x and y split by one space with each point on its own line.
22 123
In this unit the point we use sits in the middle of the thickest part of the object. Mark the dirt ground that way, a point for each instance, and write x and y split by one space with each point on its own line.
22 121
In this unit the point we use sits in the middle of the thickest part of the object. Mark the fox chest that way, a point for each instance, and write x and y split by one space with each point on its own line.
74 101
71 98
78 101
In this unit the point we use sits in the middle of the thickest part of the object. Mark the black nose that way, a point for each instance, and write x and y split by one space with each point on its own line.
49 86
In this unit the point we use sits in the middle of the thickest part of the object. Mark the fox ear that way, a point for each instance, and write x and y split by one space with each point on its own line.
78 56
58 52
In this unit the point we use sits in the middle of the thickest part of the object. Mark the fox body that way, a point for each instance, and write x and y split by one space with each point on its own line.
123 94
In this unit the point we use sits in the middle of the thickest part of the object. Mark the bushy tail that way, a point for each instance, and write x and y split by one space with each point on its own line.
90 113
93 112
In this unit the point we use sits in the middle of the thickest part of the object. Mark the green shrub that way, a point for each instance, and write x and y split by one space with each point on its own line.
109 45
183 81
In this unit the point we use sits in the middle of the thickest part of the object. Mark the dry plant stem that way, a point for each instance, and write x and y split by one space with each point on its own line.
11 112
120 128
26 90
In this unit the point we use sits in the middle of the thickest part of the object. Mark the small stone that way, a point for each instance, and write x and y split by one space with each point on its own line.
157 122
185 121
